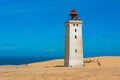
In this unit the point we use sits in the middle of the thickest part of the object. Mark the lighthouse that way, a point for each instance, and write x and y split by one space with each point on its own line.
73 42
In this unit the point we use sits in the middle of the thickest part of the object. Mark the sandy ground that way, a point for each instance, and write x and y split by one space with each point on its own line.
99 68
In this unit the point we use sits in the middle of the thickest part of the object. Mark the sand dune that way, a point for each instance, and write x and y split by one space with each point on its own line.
99 68
102 61
88 62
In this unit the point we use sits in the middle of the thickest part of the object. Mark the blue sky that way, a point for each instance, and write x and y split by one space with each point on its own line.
36 27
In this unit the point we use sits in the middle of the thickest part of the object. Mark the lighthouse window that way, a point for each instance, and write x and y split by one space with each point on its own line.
77 24
75 37
75 30
75 50
73 24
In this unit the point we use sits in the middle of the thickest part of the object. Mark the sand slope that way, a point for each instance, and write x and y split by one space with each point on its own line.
88 62
100 68
102 61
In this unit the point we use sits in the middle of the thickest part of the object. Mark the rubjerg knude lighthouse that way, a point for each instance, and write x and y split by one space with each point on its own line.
73 42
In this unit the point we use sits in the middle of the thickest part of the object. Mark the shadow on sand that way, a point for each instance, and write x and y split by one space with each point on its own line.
59 66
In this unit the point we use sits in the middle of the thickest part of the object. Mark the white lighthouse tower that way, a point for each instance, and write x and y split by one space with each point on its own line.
73 44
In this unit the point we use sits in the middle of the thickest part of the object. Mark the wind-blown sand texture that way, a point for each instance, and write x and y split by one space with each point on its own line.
99 68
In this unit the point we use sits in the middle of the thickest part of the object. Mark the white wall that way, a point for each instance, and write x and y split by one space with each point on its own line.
73 58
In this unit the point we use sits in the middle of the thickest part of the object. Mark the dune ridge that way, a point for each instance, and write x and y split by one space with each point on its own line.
88 62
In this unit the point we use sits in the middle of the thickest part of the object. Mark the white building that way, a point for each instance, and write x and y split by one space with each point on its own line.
73 44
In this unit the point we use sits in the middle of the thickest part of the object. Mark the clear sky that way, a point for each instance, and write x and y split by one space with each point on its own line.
36 27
